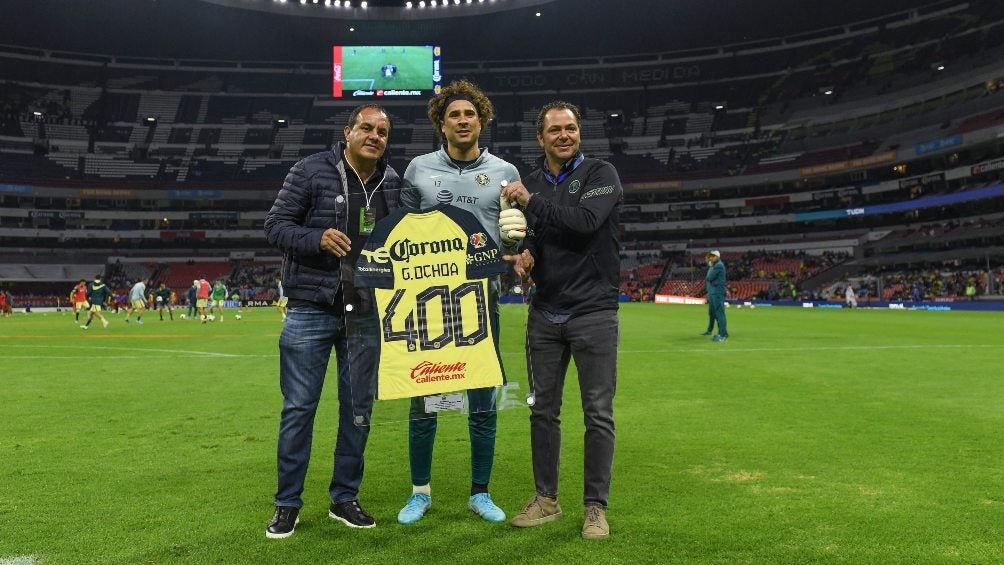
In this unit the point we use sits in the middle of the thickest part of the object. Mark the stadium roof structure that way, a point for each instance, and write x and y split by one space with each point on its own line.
493 30
357 10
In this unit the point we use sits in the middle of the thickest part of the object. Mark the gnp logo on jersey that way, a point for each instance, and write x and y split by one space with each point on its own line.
481 258
482 179
479 240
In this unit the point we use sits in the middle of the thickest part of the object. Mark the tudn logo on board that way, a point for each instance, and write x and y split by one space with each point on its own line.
430 371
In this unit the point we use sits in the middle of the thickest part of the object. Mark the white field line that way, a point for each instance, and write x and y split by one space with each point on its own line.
175 352
18 560
727 348
151 353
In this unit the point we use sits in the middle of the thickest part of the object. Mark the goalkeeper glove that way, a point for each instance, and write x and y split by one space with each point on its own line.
512 224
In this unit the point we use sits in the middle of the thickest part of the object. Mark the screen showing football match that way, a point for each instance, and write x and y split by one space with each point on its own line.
385 70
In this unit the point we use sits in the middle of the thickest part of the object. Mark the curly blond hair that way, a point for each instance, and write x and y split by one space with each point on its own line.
463 88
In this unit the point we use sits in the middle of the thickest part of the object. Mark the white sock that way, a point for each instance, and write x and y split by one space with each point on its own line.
424 489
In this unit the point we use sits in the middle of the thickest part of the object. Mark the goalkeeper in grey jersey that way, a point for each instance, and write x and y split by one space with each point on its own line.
467 176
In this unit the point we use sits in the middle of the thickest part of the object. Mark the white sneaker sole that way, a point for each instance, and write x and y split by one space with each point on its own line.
270 535
347 523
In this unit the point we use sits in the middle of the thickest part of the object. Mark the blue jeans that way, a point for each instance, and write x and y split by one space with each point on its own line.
304 351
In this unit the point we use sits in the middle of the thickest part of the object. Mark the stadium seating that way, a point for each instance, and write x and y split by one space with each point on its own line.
722 151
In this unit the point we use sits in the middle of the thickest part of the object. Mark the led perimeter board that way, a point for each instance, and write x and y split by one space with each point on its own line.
385 70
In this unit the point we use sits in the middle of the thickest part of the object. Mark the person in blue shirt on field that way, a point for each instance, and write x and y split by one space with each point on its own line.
715 284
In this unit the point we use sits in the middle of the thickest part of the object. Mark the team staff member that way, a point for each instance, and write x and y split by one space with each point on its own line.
467 176
571 206
326 208
714 282
192 296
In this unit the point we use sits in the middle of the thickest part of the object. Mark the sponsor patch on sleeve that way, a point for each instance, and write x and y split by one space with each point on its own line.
601 191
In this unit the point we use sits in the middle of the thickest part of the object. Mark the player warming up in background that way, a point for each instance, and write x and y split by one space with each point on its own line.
78 297
219 296
163 299
202 298
97 294
137 301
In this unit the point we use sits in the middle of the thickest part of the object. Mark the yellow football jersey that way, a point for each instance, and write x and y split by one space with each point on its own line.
430 271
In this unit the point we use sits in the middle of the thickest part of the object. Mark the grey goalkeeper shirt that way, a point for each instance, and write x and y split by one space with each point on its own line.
434 178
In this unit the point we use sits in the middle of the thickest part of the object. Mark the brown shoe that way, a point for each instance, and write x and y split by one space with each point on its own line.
595 525
540 510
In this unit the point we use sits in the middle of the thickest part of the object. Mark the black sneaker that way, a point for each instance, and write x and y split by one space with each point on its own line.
283 522
351 514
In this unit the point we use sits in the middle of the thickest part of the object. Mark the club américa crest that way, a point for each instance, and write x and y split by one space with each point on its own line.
479 240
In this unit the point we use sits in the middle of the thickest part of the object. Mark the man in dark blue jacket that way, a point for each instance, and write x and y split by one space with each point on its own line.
328 205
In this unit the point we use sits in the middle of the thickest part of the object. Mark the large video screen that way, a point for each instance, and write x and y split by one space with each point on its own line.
385 70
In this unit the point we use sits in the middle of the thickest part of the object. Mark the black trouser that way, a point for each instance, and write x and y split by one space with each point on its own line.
591 341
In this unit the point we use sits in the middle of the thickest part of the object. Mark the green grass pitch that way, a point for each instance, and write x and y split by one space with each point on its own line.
360 70
811 436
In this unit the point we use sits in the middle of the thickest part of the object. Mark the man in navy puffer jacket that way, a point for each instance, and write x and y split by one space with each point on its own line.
320 220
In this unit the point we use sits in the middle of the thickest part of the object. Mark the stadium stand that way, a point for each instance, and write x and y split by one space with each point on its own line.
761 148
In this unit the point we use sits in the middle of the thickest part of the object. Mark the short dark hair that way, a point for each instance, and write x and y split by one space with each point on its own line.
557 105
436 110
354 116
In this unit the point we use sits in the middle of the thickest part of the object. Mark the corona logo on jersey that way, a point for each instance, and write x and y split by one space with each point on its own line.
430 272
